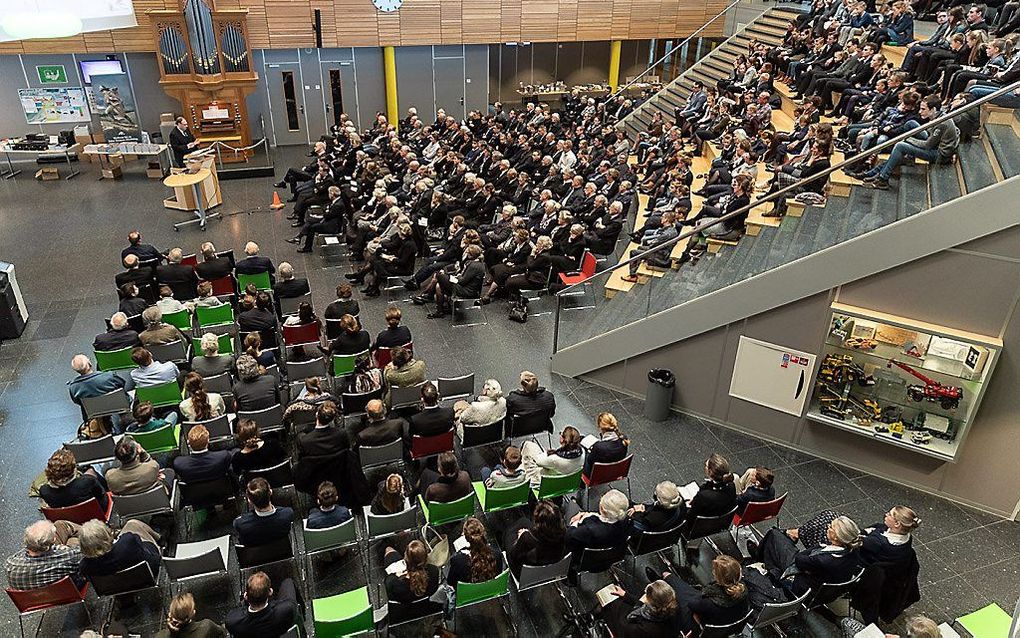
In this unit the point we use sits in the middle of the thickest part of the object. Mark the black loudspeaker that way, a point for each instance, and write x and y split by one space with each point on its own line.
65 138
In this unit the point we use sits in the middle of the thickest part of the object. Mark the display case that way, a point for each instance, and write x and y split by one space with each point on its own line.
900 381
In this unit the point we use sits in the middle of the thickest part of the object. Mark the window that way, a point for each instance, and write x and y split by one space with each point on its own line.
290 101
335 98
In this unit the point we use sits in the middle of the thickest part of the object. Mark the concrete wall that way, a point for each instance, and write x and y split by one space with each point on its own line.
975 287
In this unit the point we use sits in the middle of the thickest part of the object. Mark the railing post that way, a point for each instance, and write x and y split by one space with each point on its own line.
556 325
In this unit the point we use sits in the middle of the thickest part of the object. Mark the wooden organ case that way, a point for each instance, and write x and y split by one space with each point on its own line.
205 62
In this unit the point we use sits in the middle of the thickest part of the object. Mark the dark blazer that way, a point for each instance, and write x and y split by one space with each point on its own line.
432 421
382 432
181 279
876 548
342 307
257 320
532 549
594 533
657 518
128 550
469 282
350 343
622 624
712 499
754 494
254 530
322 441
445 490
291 288
179 144
393 337
116 340
278 616
254 265
259 394
818 566
138 276
144 252
398 589
604 452
518 403
713 606
204 466
77 491
216 268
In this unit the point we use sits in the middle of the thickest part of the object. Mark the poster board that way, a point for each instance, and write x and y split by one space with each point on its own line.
772 375
115 105
54 105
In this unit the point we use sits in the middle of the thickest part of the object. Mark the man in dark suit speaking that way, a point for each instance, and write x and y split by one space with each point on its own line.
182 141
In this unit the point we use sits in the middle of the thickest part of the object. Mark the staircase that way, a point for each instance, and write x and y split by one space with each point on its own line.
815 248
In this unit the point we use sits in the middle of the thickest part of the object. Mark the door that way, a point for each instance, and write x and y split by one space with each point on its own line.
338 94
448 79
286 104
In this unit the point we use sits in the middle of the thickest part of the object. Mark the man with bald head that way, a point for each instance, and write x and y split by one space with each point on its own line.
253 263
180 277
376 428
50 554
144 252
144 278
119 335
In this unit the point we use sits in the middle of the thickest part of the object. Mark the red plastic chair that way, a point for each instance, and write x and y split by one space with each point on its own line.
80 513
224 286
384 355
759 512
425 446
606 473
303 335
190 260
588 265
61 593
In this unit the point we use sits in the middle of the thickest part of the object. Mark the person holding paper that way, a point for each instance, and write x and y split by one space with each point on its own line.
611 445
566 459
476 560
609 527
716 495
413 580
182 141
653 615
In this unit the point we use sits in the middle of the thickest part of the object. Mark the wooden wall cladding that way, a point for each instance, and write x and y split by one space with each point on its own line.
287 24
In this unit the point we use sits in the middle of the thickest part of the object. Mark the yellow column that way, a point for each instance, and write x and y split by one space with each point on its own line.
614 64
390 73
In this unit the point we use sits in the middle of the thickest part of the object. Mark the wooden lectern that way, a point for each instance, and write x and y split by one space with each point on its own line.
196 188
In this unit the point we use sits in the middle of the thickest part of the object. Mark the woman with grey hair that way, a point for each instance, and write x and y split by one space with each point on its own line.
837 560
255 389
105 553
488 407
211 363
609 527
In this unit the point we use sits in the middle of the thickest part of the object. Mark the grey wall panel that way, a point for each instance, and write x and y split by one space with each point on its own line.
594 64
311 79
1004 244
568 60
368 62
963 300
543 62
634 59
258 102
476 76
152 99
493 73
414 80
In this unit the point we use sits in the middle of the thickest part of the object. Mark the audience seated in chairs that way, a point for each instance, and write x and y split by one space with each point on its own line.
531 398
51 553
418 581
565 459
265 611
181 621
611 445
253 263
344 304
653 615
266 522
837 561
180 278
755 486
261 318
541 543
210 363
488 407
202 464
254 452
724 601
717 494
375 429
289 286
118 337
328 513
200 405
665 512
66 486
156 332
106 553
134 273
448 484
479 561
213 266
150 372
255 389
433 418
327 438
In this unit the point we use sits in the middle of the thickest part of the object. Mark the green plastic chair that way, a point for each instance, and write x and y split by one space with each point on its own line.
346 614
107 360
226 343
214 315
443 513
558 485
343 364
161 396
180 320
496 500
473 593
261 281
164 439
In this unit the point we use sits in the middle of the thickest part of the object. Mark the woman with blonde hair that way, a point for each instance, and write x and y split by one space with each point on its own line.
181 623
611 445
653 615
724 601
891 541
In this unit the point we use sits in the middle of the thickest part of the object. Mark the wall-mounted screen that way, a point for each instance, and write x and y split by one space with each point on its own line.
99 67
23 19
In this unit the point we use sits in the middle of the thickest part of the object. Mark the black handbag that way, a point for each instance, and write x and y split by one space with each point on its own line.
518 312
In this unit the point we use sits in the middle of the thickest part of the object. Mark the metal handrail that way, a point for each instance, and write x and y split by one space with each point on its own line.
684 42
874 150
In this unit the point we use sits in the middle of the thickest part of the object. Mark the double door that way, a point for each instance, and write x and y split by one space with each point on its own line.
307 97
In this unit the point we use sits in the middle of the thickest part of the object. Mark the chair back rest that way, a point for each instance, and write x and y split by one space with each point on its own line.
553 485
406 396
320 540
346 614
456 387
214 315
173 351
162 395
424 446
382 356
333 328
134 578
760 512
443 513
502 498
724 631
109 360
224 286
604 473
472 593
707 525
381 525
290 305
270 418
219 383
479 435
62 592
151 501
375 455
537 575
301 370
209 562
219 428
772 613
201 494
355 403
830 592
80 513
279 475
302 420
597 560
92 451
248 557
649 542
115 402
224 342
159 440
588 264
180 320
190 260
303 335
260 279
343 364
529 424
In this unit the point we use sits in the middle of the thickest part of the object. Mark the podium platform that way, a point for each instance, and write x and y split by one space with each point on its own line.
196 188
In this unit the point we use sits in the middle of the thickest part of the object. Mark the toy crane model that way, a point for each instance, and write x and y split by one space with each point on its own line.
948 396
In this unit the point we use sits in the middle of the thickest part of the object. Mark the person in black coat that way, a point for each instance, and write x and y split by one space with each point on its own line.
543 543
653 615
143 277
327 437
418 581
724 601
181 278
433 418
603 234
393 334
105 555
531 398
891 541
182 141
334 218
717 495
343 305
610 527
537 270
202 464
264 615
254 263
351 340
466 284
835 562
376 429
756 486
261 318
213 266
479 561
266 523
289 286
144 252
611 445
394 257
118 337
666 510
66 487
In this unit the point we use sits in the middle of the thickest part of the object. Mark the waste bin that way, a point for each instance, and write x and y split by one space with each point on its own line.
659 394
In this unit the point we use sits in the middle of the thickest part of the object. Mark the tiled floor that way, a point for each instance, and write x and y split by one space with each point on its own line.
65 238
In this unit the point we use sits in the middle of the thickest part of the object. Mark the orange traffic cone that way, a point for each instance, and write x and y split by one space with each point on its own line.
277 204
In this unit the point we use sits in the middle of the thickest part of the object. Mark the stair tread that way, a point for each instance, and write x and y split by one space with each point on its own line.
1006 146
977 168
